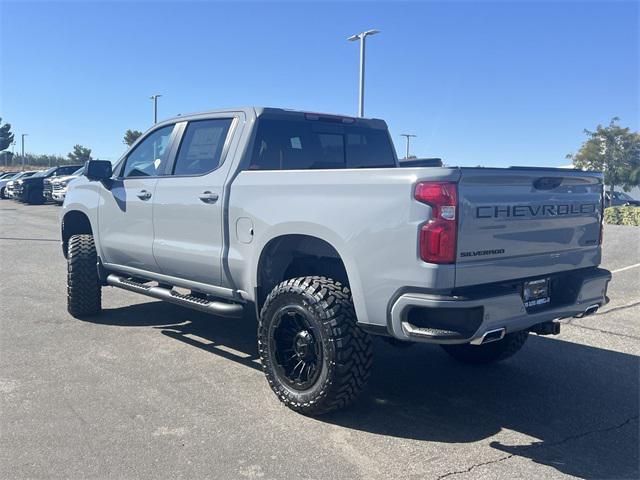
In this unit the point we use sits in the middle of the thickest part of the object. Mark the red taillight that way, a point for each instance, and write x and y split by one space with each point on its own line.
438 235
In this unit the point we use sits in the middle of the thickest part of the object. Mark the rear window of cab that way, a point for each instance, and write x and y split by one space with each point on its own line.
303 145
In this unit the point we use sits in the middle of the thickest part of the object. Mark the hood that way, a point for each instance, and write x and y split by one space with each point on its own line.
63 179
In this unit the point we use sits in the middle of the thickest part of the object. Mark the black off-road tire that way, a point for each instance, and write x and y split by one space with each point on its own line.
489 353
84 295
346 349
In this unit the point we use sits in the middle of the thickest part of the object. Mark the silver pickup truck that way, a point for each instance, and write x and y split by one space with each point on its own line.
309 221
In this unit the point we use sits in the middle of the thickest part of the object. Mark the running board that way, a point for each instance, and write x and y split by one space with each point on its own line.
215 307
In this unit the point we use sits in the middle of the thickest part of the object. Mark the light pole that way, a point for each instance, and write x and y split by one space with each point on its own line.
23 135
362 37
155 107
409 137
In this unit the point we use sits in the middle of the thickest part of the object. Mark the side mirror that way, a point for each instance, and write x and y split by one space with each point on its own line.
98 170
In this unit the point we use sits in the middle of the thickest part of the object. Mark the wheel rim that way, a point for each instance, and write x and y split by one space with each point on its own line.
296 348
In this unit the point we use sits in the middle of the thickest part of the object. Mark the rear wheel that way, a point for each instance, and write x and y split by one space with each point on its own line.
84 295
490 352
314 355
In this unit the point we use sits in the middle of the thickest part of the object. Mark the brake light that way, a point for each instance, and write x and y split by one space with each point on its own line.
438 236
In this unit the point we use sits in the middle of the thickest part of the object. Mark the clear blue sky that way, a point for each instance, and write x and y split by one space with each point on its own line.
480 83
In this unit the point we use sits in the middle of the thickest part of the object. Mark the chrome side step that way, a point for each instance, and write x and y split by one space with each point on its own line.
209 306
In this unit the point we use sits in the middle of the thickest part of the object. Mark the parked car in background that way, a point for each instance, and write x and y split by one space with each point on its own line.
58 186
7 190
620 199
31 190
6 175
4 179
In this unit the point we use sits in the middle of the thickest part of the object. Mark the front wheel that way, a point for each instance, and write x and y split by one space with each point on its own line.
84 293
3 193
314 355
489 352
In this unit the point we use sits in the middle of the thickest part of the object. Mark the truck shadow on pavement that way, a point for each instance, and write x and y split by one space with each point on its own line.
561 404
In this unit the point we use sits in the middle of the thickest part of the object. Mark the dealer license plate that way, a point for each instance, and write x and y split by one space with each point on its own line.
536 293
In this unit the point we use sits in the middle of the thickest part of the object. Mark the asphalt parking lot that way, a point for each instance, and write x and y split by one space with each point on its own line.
151 390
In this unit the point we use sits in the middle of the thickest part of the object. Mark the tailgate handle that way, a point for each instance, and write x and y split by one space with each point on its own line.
547 183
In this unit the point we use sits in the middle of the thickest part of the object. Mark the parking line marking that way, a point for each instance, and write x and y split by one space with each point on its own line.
625 268
30 239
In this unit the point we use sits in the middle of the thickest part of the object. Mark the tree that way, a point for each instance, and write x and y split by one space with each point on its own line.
130 136
6 137
43 160
80 154
613 150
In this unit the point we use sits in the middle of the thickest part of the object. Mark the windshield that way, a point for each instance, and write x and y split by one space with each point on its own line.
621 196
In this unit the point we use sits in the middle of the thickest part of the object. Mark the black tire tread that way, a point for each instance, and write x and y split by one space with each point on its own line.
332 302
490 352
84 293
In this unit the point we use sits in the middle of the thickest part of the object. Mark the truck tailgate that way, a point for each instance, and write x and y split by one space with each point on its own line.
520 223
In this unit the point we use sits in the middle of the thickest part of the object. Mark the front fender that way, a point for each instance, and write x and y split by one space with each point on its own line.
82 196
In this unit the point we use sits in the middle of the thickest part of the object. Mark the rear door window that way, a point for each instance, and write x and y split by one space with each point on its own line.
201 147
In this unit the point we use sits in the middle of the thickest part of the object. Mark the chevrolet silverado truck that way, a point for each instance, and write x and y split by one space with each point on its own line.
309 221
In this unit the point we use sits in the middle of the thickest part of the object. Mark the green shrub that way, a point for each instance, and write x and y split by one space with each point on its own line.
622 215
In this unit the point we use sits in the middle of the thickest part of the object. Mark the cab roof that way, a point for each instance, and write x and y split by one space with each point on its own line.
284 113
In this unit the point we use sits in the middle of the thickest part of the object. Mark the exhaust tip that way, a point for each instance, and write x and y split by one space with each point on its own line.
590 310
490 336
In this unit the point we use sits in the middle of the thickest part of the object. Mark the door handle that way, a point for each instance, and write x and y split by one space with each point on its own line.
144 195
208 197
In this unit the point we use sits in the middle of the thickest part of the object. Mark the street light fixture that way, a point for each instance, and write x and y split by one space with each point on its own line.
362 37
408 136
155 107
23 135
